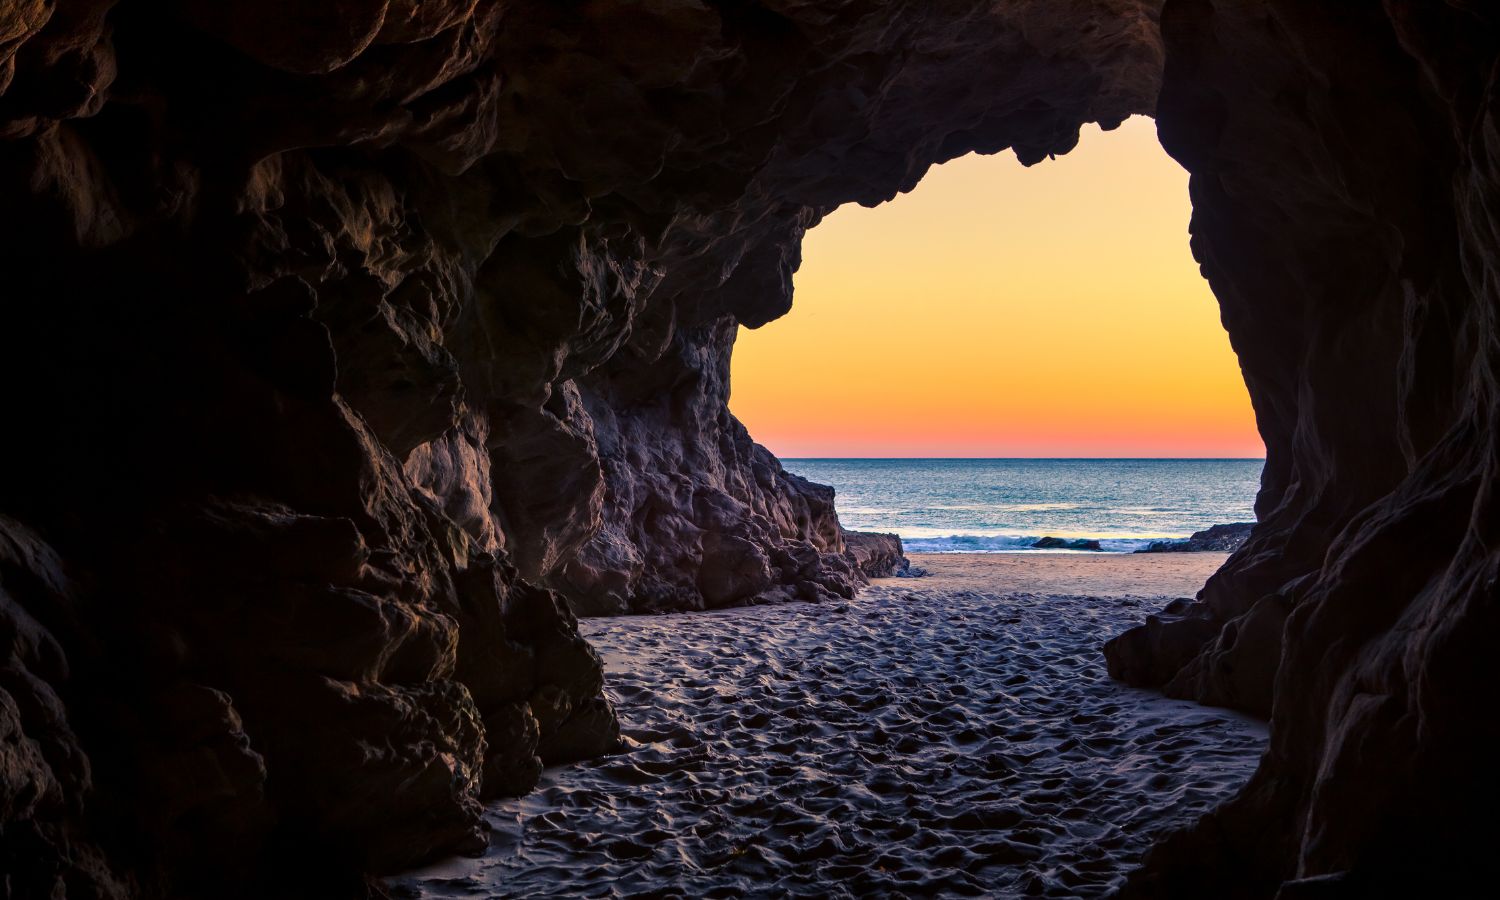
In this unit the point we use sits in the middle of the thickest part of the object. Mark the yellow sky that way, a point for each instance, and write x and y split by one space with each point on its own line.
1004 311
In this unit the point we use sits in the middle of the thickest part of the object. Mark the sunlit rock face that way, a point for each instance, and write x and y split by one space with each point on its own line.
1346 160
348 345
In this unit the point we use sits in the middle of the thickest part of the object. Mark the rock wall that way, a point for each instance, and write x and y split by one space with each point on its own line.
695 514
1344 163
346 345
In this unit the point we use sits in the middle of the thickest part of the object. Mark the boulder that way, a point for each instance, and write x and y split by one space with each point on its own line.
1218 539
1052 543
876 555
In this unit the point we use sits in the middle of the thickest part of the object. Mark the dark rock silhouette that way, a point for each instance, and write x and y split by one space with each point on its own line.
1352 188
1053 543
349 347
1219 538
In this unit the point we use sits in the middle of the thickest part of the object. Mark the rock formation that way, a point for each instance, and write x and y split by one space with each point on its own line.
1217 539
348 345
876 555
1057 543
1345 160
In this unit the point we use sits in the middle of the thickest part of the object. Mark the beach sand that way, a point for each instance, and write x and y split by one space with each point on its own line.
1091 574
953 735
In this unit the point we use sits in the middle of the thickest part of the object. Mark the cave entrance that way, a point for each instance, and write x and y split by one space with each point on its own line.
1048 319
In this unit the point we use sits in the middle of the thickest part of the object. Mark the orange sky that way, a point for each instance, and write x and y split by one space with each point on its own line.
1004 311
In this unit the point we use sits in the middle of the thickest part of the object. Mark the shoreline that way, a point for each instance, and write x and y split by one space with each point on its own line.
1075 573
1226 537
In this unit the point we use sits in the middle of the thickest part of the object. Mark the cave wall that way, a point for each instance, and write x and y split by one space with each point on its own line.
1344 182
696 515
349 347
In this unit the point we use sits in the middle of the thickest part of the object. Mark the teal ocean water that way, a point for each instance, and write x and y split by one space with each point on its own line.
1004 505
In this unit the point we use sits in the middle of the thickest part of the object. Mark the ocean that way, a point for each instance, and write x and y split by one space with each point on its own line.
1005 505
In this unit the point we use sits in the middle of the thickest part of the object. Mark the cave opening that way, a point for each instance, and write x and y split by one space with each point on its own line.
1046 319
1051 316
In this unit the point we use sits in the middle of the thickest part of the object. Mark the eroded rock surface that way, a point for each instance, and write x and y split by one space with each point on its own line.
1056 543
347 345
876 555
1345 168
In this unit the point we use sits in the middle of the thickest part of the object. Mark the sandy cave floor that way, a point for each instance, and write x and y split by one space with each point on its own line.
954 735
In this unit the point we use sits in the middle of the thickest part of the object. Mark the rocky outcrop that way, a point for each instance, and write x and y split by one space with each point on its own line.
876 555
1056 543
1216 539
694 514
348 346
1345 166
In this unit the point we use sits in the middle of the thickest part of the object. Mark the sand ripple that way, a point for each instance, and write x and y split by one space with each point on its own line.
908 743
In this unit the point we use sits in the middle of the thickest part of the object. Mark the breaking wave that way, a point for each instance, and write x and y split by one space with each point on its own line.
976 543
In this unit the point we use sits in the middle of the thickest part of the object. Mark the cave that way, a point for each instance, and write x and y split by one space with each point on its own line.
350 350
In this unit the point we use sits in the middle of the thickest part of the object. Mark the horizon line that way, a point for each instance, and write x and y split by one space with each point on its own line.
993 458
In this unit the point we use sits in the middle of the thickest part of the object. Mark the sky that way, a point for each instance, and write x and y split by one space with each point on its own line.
1001 311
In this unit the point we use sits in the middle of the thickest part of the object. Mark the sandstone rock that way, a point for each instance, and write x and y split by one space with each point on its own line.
1370 577
429 314
349 347
351 332
876 555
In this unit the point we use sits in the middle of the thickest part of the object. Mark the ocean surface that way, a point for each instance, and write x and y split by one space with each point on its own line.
1005 505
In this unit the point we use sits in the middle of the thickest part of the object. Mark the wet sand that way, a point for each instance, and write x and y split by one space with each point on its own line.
954 735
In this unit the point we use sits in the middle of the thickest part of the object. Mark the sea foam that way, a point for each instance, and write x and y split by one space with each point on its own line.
981 543
1007 505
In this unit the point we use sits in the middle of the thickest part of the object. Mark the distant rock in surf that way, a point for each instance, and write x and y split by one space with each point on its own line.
1221 538
1052 543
